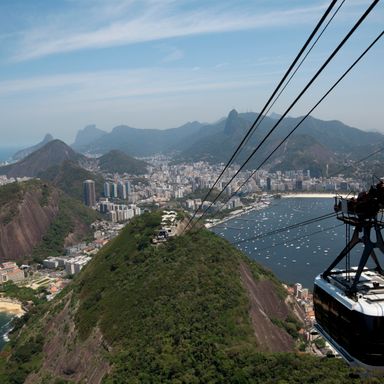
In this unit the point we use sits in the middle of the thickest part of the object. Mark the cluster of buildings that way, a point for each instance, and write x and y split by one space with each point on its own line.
72 265
168 228
111 204
5 180
9 271
305 299
233 203
118 189
185 183
78 255
117 212
167 181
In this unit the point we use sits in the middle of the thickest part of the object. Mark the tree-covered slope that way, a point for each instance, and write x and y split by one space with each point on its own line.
118 162
69 177
51 154
174 313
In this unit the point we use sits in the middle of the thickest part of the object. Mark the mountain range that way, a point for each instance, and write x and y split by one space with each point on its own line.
57 161
315 144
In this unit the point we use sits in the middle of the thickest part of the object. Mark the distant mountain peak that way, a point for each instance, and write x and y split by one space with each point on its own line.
26 151
86 136
52 153
234 122
274 116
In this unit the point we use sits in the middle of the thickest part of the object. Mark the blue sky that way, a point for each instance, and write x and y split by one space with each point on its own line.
65 64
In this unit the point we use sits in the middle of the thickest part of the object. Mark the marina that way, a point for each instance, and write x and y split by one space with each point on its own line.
296 254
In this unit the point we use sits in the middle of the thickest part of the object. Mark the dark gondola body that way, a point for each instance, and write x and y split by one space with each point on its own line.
355 326
349 301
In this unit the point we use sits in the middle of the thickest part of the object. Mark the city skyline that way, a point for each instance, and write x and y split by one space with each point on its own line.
159 64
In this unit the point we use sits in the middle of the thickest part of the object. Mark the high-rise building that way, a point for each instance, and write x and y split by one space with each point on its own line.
269 184
114 190
107 190
121 190
128 187
89 193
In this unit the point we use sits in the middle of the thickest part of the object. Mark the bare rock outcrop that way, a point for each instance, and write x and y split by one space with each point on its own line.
28 225
265 305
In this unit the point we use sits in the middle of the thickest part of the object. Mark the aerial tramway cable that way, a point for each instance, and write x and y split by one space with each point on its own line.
287 228
301 121
251 129
297 68
312 109
357 161
324 65
309 221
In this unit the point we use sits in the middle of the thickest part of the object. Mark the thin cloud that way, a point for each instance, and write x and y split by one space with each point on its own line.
154 21
173 54
106 85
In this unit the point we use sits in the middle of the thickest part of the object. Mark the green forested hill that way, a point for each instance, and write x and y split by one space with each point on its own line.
69 177
118 162
175 313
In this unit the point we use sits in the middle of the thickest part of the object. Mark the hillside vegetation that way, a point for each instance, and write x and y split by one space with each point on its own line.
175 313
52 153
37 220
73 219
69 177
118 162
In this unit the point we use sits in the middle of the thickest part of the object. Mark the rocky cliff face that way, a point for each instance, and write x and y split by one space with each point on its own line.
30 221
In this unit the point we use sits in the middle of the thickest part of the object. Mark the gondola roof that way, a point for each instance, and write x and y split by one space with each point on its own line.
369 297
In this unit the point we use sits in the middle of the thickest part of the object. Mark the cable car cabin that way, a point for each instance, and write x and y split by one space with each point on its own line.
355 326
349 301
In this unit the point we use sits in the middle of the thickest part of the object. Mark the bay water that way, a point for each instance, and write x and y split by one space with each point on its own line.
293 255
5 326
7 152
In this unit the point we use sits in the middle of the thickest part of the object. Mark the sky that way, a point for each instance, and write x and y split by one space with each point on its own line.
65 64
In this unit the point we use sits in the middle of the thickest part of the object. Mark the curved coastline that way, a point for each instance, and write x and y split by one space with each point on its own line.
314 195
11 306
260 205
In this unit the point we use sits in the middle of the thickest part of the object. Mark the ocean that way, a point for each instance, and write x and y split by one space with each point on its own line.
296 255
5 324
7 152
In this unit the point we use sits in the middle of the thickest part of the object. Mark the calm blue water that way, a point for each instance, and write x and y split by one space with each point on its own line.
297 255
7 152
5 319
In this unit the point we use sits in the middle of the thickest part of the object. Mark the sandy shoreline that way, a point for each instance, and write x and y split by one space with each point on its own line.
258 206
312 195
11 307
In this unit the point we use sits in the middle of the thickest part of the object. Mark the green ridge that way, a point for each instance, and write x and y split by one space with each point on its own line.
174 313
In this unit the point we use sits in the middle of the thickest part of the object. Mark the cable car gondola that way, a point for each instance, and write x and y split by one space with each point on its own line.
349 301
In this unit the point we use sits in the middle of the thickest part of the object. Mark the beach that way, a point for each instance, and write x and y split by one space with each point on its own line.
11 306
314 195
